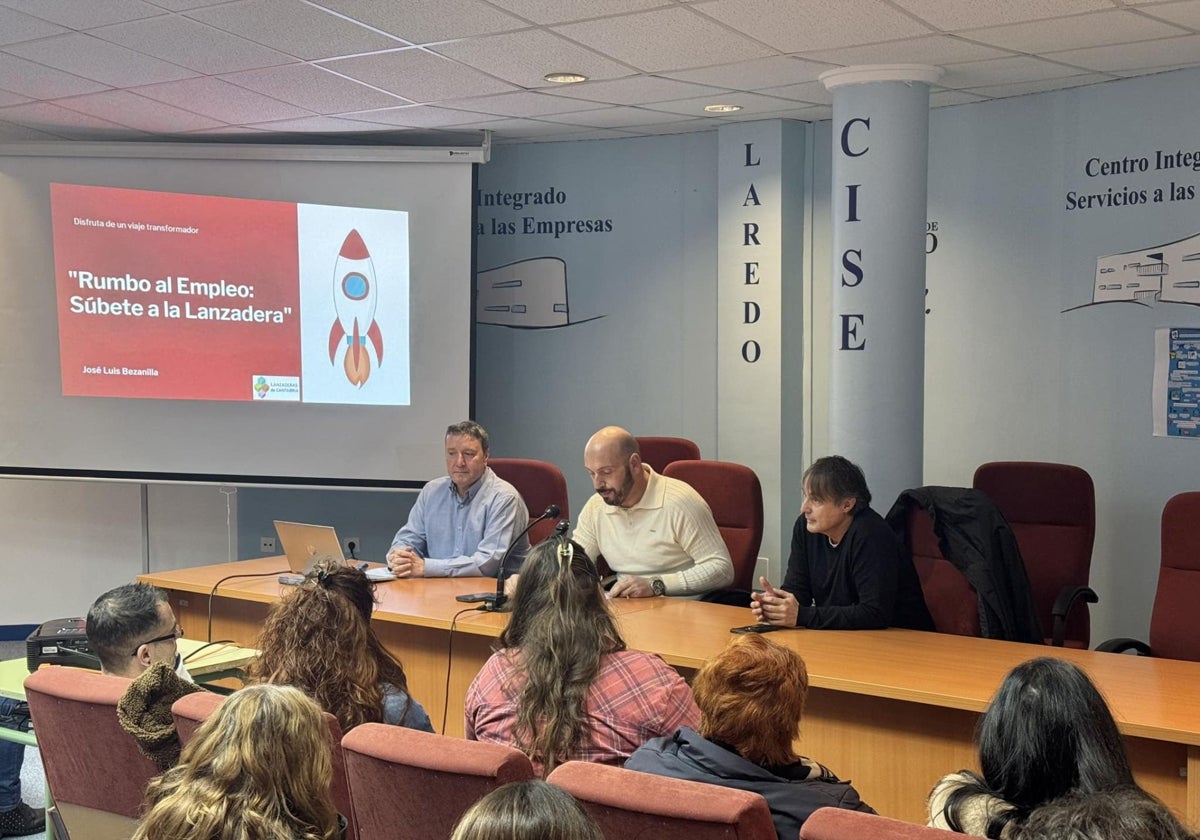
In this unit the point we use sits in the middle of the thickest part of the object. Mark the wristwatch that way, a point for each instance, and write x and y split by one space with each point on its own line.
658 587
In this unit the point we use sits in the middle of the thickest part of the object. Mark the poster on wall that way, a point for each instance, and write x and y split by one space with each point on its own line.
1177 382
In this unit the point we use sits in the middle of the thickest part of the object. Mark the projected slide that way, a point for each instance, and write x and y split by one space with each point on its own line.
190 297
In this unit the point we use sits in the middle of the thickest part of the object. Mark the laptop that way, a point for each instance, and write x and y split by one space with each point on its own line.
305 544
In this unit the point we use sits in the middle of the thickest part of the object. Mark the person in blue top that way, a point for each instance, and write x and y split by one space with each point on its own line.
318 638
462 523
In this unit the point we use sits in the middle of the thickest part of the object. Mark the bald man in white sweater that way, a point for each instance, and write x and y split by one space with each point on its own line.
655 532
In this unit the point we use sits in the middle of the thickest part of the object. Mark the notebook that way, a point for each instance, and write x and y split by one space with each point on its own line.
304 545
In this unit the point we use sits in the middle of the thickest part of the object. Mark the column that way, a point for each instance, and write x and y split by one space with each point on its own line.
880 163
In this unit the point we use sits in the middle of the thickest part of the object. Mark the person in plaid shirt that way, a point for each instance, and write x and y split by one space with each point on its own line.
563 686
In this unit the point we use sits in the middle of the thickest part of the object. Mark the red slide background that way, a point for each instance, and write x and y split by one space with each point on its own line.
240 241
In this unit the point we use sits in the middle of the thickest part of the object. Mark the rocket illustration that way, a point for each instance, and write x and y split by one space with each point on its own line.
354 298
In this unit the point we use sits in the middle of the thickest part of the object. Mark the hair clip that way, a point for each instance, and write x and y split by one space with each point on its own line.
323 577
566 554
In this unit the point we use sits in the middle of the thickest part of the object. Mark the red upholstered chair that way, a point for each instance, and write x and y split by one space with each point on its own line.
192 710
660 451
952 601
1051 509
540 484
1174 622
839 824
734 495
410 784
96 772
625 803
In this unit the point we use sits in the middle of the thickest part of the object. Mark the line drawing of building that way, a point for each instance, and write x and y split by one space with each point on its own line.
527 294
1167 273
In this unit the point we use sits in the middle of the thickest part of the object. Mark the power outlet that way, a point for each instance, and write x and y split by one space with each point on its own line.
266 545
357 546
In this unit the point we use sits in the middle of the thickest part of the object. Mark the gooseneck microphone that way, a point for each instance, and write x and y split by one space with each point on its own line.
496 601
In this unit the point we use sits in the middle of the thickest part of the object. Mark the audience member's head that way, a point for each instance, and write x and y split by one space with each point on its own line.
318 637
562 627
131 628
533 810
1047 733
1118 814
751 696
835 479
260 766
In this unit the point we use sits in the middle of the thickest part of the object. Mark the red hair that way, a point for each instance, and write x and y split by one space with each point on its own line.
751 696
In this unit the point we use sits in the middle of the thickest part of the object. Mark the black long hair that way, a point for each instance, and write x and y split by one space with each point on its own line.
1047 733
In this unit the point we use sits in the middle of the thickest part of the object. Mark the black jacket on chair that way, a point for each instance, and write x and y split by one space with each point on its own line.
976 538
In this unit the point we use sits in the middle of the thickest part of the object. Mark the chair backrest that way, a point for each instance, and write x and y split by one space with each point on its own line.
191 710
840 824
540 484
626 803
734 495
89 759
410 784
1174 625
1051 509
952 603
660 451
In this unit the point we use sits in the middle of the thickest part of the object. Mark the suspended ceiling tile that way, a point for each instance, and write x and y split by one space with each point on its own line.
561 11
953 15
294 27
191 44
124 108
16 26
937 50
638 39
421 21
91 58
823 23
1080 31
221 101
524 58
633 90
40 82
774 71
1182 51
85 14
418 76
314 88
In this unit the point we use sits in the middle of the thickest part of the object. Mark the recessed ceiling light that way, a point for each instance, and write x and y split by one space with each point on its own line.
722 109
565 78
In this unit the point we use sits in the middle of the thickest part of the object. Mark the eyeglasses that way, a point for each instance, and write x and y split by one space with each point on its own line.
177 633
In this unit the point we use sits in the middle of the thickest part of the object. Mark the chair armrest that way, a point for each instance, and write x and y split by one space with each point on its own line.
1063 604
1122 645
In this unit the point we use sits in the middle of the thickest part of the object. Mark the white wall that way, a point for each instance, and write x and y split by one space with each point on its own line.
648 360
68 541
1009 374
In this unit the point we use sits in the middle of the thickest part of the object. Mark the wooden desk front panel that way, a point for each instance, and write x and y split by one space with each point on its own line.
890 710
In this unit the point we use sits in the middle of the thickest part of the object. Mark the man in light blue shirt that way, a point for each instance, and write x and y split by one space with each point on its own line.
462 524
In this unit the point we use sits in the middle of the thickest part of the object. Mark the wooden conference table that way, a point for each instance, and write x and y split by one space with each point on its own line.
890 710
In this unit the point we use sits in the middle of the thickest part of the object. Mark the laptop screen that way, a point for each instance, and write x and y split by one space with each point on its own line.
305 544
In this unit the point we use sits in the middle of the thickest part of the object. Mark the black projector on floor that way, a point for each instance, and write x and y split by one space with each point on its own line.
62 641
